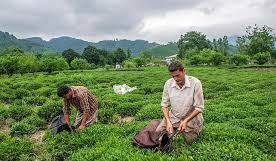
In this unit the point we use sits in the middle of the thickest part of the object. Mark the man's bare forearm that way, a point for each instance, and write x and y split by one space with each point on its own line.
165 111
67 118
191 116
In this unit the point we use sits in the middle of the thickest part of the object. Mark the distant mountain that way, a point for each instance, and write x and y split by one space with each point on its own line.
38 45
162 51
62 43
232 39
135 46
8 40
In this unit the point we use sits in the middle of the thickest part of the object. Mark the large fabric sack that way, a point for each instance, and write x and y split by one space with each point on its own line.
148 137
58 124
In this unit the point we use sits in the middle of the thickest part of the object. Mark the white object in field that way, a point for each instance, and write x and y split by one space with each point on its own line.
123 89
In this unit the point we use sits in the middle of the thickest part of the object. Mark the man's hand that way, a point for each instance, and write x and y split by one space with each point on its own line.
182 126
67 119
82 127
169 128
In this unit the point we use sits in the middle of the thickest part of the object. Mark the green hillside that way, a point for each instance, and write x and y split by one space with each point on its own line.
8 40
162 51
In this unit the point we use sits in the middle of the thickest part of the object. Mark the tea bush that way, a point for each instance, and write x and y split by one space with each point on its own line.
49 110
149 112
27 126
14 148
18 112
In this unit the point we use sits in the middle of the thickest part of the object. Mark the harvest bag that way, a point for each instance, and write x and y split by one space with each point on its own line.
59 125
148 137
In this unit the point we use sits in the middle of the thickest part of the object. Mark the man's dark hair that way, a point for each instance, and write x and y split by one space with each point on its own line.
62 90
176 65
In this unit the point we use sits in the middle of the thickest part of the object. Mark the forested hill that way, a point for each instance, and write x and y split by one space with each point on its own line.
8 40
38 45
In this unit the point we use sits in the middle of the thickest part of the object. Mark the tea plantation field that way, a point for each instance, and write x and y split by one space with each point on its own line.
240 116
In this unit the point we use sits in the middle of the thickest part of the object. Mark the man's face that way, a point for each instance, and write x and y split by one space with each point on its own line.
68 95
178 76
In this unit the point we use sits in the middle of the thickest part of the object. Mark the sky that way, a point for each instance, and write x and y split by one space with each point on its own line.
158 21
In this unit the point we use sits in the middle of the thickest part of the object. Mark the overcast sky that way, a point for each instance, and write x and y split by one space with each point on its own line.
153 20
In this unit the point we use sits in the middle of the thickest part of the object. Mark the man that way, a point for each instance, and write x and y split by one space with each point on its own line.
184 95
83 100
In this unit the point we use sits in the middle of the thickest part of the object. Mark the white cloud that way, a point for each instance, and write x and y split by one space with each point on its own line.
160 21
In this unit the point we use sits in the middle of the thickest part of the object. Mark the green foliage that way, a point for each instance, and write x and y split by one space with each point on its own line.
149 112
211 57
239 59
27 126
53 63
216 59
80 64
95 55
119 56
262 57
14 148
9 64
18 112
4 112
205 56
257 39
221 45
106 115
28 64
162 51
128 64
69 55
196 60
239 114
192 40
13 51
49 110
139 62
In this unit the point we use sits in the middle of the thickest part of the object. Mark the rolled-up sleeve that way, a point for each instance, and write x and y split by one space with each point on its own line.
66 107
165 97
198 97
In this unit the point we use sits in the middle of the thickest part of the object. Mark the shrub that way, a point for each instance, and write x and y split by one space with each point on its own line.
14 148
18 112
105 115
149 112
53 63
27 126
216 59
4 112
129 109
50 110
196 60
80 64
262 57
239 59
128 64
35 100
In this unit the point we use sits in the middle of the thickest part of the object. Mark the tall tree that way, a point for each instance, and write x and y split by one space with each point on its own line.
69 55
221 45
191 40
119 55
128 53
257 39
92 55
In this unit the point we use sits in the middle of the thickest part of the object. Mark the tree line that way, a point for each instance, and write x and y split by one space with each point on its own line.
256 46
14 60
